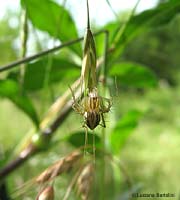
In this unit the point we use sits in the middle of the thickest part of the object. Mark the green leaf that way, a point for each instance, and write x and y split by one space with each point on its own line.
123 129
10 90
134 75
61 70
77 139
53 18
145 21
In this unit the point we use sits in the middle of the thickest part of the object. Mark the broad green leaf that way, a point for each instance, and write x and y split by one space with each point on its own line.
53 18
147 20
10 90
123 129
60 70
133 75
77 139
35 74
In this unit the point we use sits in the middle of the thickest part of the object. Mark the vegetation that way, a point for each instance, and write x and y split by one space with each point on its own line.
98 150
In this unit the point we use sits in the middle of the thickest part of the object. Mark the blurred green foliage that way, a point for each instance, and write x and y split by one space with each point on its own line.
133 75
159 50
10 89
8 35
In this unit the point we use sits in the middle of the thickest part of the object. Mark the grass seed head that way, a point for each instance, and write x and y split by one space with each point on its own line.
72 158
62 166
46 194
88 72
85 180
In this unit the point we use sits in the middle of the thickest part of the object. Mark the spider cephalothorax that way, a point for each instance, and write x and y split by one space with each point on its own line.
92 107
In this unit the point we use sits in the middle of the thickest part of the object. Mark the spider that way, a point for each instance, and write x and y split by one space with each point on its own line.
92 107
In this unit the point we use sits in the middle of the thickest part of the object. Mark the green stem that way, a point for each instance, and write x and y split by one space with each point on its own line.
88 18
103 132
113 11
47 88
103 168
23 46
123 27
43 53
104 68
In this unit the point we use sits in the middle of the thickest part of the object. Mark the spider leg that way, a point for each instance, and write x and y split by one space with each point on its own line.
105 108
76 105
103 121
74 99
78 108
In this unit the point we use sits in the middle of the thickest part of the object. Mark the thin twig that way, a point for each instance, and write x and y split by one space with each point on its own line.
88 18
111 8
49 63
24 155
24 39
43 53
123 27
103 132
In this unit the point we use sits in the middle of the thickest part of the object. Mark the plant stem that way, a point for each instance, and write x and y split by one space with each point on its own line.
43 53
48 67
32 149
24 39
88 19
123 27
103 168
103 132
24 155
113 11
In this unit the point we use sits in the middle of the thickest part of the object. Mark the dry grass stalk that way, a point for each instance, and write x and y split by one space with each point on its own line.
46 193
85 180
63 165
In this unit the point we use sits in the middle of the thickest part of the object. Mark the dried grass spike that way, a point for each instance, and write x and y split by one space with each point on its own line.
47 174
46 194
44 176
73 157
62 166
68 162
85 180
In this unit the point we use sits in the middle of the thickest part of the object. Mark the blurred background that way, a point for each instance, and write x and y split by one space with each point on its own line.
150 152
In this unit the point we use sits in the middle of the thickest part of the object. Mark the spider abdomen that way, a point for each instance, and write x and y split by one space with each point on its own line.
92 119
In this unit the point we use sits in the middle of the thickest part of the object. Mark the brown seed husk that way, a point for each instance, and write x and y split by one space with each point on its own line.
88 71
46 194
62 166
85 180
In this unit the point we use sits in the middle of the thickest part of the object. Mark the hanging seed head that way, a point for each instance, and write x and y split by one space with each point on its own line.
88 72
46 194
62 166
85 180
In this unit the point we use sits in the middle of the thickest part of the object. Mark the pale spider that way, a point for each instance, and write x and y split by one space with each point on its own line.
92 107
